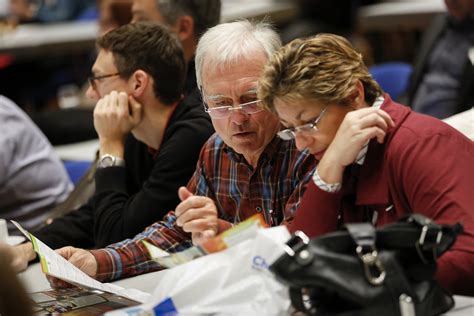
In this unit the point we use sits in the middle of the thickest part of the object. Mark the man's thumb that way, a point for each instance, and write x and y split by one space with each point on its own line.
184 193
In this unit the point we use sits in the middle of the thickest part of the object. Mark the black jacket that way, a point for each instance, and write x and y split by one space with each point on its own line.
128 199
430 38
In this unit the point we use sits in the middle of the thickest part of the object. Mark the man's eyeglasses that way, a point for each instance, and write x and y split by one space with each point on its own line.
290 133
92 79
221 112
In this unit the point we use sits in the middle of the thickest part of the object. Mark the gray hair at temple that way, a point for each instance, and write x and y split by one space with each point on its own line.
228 44
206 13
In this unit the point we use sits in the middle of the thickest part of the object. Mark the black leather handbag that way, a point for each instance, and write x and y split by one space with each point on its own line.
366 271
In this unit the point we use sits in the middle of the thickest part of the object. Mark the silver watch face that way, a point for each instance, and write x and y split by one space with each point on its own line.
107 161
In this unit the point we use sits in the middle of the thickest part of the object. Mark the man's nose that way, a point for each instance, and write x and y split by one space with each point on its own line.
92 94
238 116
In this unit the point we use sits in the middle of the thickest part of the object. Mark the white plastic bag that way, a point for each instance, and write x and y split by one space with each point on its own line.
233 281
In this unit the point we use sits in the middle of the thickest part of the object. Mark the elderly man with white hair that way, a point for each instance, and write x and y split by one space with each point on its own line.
243 169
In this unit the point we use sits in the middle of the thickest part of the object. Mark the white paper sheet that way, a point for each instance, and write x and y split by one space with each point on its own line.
55 265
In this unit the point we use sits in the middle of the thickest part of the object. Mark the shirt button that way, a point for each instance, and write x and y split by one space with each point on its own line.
258 209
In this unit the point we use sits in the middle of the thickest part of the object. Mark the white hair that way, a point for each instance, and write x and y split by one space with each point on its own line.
227 44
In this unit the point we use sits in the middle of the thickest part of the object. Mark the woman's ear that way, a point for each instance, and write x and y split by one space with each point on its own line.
139 82
359 95
184 27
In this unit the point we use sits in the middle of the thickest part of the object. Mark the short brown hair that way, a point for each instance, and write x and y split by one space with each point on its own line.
325 68
152 48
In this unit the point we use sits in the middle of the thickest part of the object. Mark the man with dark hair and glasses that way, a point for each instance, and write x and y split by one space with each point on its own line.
149 140
243 169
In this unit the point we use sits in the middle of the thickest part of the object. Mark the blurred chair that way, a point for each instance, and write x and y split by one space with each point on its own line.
393 77
76 169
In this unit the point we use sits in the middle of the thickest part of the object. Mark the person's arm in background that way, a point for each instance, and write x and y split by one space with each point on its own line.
437 175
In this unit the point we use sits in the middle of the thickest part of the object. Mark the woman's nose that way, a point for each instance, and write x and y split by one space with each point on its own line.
302 141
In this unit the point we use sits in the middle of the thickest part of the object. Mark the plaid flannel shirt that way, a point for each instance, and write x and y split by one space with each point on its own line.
274 188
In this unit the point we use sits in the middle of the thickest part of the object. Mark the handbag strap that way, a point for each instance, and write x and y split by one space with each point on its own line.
364 236
296 297
431 237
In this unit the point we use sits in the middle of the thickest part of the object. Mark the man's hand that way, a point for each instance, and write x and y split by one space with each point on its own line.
19 255
357 129
115 115
81 258
197 215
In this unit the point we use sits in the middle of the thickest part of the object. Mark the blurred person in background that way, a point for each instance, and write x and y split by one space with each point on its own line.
32 178
442 83
189 19
49 11
13 298
113 13
34 83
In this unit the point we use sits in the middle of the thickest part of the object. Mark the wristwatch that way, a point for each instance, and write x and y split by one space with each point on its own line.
110 161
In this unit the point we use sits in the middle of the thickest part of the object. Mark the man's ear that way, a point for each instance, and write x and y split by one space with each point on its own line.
139 82
184 27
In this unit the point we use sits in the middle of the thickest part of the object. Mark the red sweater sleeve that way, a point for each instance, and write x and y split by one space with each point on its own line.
437 175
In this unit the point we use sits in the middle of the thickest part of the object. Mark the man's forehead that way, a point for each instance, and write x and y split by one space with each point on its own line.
104 62
249 91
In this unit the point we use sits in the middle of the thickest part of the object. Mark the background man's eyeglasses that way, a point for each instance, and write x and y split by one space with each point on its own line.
290 133
92 79
221 112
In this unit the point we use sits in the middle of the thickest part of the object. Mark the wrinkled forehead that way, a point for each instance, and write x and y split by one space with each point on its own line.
232 78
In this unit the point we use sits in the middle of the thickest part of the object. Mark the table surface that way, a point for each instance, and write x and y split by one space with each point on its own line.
34 280
395 15
463 122
78 151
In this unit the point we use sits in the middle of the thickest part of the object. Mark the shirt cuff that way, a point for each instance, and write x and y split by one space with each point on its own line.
328 187
105 264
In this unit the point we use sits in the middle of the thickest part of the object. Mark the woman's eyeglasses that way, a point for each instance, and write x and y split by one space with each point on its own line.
290 133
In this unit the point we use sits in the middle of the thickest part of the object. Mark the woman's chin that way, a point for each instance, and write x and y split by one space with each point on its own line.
319 155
